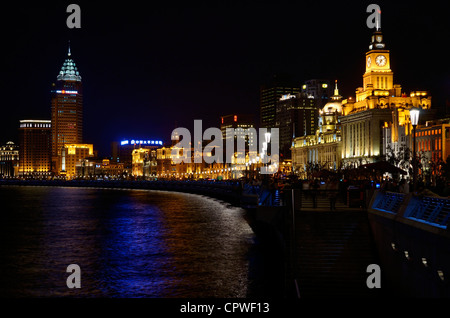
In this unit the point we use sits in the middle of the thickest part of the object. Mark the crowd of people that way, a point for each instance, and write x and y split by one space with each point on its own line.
353 193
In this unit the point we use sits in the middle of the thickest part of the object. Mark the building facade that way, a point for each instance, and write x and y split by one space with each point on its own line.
240 123
296 115
322 149
144 163
94 168
234 121
433 148
319 89
269 96
66 110
35 148
9 160
378 103
123 151
72 155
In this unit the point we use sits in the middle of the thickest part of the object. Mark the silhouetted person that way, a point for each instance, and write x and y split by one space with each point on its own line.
332 193
314 190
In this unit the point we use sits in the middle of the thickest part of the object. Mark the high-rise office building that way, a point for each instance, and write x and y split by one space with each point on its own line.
243 121
35 148
319 89
269 96
234 121
296 116
66 110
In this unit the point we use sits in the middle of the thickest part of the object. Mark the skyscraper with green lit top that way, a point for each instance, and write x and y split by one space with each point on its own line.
66 110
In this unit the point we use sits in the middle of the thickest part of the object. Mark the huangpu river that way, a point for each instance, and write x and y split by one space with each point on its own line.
128 243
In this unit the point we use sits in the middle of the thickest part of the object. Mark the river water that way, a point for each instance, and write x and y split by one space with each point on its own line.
128 243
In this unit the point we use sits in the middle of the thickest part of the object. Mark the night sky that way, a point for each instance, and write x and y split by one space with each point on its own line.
150 67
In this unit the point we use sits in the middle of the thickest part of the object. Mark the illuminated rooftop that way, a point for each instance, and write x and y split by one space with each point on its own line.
335 104
69 71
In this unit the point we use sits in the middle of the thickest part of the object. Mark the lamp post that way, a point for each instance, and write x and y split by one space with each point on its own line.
414 117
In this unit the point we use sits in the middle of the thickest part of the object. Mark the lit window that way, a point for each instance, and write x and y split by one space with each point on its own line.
424 262
407 255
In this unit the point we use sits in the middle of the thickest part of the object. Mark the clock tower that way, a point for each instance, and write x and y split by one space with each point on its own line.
380 115
378 77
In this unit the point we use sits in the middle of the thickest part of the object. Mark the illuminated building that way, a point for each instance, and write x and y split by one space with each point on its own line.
379 103
322 149
165 166
122 151
66 110
9 160
99 168
433 139
144 162
296 115
432 147
234 121
74 154
269 96
35 148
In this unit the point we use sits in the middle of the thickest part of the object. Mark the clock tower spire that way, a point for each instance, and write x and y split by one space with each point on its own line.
378 78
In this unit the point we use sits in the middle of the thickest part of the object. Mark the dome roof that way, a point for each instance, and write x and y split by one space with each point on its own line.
332 107
335 104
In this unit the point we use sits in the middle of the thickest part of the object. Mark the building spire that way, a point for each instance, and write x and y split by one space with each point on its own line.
378 20
69 71
336 96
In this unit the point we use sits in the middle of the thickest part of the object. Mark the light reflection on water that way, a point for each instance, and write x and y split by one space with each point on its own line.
128 243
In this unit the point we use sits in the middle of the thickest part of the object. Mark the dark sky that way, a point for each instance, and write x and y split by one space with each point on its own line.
148 67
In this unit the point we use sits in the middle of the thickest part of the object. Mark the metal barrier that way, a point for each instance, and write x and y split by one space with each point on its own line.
432 210
388 201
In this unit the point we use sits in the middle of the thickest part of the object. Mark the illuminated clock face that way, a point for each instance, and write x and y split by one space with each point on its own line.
381 60
369 61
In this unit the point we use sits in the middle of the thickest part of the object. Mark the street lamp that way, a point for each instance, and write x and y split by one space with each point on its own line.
414 117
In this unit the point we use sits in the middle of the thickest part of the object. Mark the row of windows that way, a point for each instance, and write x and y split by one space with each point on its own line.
35 125
427 145
383 82
428 132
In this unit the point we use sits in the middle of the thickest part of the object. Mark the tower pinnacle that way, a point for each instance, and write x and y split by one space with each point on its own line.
69 70
336 96
378 21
